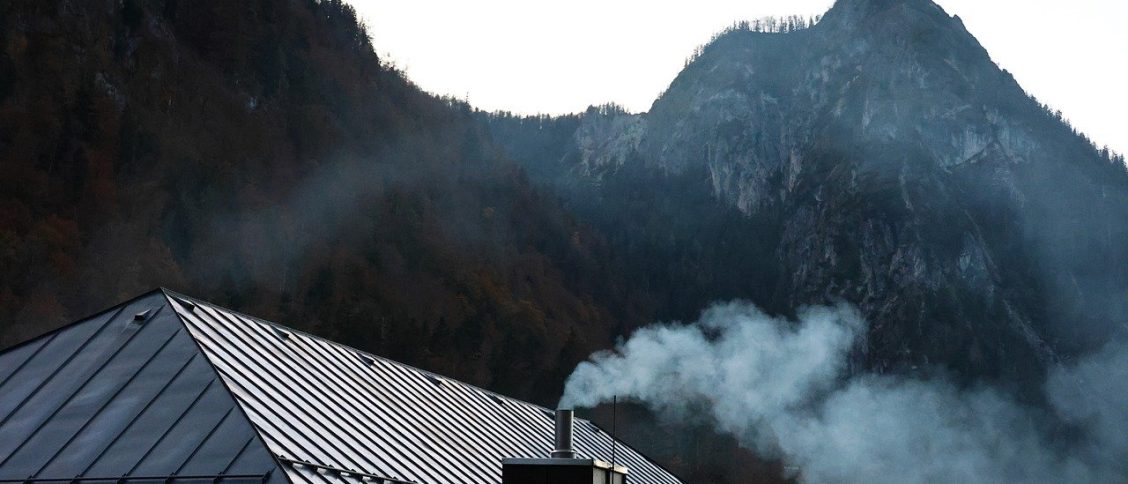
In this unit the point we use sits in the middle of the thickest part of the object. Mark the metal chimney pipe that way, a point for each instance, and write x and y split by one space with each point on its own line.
563 435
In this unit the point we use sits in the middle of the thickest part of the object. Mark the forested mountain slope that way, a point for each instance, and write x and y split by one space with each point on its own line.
259 154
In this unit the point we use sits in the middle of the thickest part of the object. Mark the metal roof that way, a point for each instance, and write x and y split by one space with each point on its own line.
167 384
124 394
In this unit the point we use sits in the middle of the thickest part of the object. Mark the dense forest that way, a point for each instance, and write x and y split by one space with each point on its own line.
258 154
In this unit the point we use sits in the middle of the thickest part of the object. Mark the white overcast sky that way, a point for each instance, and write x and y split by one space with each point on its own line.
530 56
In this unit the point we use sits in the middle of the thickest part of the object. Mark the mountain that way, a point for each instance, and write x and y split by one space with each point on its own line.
259 153
879 157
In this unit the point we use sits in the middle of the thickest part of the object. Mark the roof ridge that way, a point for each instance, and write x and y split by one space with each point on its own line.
212 327
80 320
313 409
199 302
99 397
170 297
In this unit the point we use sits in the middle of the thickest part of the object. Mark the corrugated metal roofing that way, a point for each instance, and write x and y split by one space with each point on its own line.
165 386
124 394
321 402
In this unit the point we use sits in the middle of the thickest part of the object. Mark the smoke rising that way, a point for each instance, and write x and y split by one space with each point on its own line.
781 388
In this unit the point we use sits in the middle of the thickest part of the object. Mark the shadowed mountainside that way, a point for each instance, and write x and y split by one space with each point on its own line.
879 157
258 154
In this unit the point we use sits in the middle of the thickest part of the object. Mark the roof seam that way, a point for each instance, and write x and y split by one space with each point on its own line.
286 393
127 426
49 339
170 299
345 347
73 392
366 423
164 434
108 399
382 400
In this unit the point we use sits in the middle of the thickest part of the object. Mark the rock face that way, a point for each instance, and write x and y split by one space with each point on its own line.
886 160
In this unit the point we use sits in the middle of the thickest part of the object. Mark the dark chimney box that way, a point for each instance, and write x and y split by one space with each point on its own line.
562 467
561 471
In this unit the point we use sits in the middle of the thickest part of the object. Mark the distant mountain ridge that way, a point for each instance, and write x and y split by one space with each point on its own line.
884 159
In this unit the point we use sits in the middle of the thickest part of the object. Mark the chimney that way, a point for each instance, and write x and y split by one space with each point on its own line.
562 466
563 435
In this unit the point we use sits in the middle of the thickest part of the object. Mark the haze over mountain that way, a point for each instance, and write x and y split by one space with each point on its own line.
631 49
260 155
879 157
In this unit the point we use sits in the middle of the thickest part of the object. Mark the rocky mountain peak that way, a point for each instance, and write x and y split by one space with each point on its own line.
894 164
877 71
854 11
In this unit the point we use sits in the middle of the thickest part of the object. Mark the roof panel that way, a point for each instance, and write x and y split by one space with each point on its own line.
389 438
119 409
107 397
216 453
164 385
345 409
14 359
267 395
331 406
178 445
96 387
161 412
60 349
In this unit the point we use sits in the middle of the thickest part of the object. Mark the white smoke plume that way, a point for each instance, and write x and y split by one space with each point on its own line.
780 387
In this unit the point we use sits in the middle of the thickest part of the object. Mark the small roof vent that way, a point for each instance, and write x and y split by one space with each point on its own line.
282 335
191 306
367 360
142 316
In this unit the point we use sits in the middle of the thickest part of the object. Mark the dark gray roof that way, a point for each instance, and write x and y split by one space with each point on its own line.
123 393
191 389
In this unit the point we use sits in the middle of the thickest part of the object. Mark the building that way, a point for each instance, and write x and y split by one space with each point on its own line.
168 388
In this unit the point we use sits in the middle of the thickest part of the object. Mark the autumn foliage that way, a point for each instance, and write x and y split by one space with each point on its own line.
258 154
